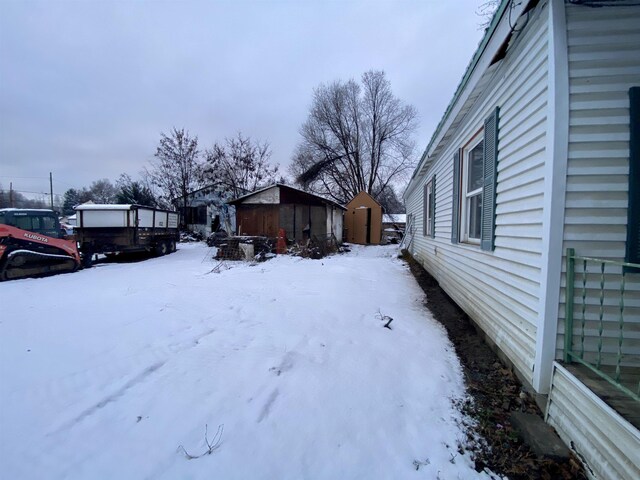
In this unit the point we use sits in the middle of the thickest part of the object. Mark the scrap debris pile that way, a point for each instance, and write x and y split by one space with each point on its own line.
260 248
241 247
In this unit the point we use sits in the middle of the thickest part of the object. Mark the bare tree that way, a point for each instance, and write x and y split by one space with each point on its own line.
390 201
485 11
357 137
102 191
16 199
239 166
5 202
176 170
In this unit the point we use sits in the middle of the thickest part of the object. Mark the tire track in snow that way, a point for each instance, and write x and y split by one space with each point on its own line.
55 391
109 398
167 352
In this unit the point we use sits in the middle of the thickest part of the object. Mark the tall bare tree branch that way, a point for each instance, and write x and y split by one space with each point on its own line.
176 170
239 165
356 137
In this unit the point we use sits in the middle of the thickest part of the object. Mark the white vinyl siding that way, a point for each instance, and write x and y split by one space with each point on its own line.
606 442
511 292
604 62
499 290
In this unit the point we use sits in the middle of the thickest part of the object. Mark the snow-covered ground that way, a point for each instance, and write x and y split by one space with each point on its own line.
114 372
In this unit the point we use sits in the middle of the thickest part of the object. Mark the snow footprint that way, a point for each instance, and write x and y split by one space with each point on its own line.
286 364
266 409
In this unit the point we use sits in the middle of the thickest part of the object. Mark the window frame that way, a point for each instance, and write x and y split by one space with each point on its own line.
428 209
465 194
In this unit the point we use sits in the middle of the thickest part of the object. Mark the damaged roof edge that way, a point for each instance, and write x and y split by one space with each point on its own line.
502 8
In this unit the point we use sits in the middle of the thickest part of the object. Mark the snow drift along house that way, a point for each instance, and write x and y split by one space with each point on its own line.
301 214
525 206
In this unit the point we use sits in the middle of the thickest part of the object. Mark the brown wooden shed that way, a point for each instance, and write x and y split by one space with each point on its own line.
363 220
300 214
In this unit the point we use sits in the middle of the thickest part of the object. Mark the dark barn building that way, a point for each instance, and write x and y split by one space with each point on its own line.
301 214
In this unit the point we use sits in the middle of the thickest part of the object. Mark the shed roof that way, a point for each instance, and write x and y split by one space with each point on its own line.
361 194
282 186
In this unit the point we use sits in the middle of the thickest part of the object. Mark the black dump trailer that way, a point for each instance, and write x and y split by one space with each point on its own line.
112 229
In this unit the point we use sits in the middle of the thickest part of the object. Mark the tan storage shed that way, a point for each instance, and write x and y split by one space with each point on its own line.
363 220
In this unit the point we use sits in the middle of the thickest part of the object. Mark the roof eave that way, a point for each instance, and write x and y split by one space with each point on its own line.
326 200
483 51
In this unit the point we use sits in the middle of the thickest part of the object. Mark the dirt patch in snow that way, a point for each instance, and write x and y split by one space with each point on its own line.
496 393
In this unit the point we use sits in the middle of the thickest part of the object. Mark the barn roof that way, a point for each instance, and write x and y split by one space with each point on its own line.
301 193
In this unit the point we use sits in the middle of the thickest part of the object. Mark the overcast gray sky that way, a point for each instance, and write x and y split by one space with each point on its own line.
86 87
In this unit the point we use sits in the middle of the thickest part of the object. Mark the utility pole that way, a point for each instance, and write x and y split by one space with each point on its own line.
51 188
11 194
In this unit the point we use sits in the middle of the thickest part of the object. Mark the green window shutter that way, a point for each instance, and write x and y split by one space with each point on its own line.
425 205
455 212
633 210
433 207
490 157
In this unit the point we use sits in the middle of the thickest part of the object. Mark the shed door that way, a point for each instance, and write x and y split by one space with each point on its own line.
258 220
361 226
270 221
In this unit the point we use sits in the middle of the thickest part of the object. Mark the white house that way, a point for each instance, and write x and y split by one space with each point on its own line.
525 207
207 211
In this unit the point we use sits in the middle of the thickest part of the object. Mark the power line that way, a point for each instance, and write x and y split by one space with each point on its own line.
23 178
37 178
34 193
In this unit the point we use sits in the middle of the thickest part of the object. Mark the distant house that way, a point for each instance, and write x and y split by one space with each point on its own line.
363 221
68 220
394 221
207 211
393 225
302 215
525 207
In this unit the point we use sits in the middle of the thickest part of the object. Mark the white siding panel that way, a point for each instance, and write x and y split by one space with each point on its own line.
532 152
499 290
608 444
604 62
521 205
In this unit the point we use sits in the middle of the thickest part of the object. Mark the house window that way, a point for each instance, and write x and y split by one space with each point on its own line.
475 169
196 215
429 208
472 157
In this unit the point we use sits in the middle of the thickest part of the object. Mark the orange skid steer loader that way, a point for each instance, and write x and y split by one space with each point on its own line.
33 244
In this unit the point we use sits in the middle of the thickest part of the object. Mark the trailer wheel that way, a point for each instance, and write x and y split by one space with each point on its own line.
161 249
87 260
172 246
